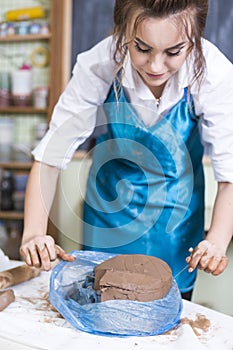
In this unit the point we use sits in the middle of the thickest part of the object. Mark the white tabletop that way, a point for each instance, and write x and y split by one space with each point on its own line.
31 322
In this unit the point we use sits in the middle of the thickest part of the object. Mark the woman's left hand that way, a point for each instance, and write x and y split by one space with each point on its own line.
208 257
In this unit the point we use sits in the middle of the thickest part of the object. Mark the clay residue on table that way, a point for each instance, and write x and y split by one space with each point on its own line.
199 325
41 303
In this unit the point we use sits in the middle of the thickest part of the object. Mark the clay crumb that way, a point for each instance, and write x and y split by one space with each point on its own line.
199 325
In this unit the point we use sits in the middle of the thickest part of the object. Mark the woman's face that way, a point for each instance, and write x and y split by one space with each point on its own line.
158 51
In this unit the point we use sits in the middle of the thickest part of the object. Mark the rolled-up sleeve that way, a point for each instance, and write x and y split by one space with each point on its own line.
74 116
214 104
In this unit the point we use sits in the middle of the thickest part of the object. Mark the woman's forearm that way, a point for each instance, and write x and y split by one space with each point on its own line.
221 228
40 192
39 249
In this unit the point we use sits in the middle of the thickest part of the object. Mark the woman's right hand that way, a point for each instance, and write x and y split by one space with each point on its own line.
208 257
41 251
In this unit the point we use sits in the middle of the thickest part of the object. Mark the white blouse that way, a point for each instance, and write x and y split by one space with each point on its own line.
74 116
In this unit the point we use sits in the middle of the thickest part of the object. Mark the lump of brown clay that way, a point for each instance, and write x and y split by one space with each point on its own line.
6 297
133 277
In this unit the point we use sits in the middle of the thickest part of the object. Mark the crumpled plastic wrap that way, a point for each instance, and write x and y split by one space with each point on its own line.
112 317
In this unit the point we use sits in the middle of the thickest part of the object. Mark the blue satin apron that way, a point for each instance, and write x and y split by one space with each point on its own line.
145 191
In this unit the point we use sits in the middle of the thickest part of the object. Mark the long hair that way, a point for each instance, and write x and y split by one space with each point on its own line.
128 14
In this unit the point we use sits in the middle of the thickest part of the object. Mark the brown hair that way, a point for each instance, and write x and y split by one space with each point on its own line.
128 14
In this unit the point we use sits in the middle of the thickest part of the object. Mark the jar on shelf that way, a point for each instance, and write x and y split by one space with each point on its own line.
7 190
21 83
6 138
5 89
3 236
14 237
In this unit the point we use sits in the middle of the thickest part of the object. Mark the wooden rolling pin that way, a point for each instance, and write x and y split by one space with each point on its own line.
17 275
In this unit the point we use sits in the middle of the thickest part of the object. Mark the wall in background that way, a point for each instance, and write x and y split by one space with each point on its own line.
92 21
220 25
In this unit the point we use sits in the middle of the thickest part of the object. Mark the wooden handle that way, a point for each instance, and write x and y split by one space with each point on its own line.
17 275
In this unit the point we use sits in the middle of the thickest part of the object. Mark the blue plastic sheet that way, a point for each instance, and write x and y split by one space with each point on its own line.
73 296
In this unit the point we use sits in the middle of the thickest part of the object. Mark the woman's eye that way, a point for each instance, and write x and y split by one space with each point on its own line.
138 48
176 53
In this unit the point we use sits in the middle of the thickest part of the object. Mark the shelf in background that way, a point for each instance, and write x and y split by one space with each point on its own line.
11 215
14 165
23 110
28 37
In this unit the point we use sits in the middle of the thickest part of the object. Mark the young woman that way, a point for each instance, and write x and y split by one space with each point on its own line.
165 93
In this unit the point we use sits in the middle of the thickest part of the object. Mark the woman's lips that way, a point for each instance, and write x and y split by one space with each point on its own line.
155 76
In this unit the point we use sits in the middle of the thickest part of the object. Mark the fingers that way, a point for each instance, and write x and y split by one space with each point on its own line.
39 252
196 256
206 256
42 251
26 255
63 255
44 256
221 266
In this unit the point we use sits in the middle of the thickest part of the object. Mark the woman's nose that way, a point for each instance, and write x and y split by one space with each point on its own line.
156 63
